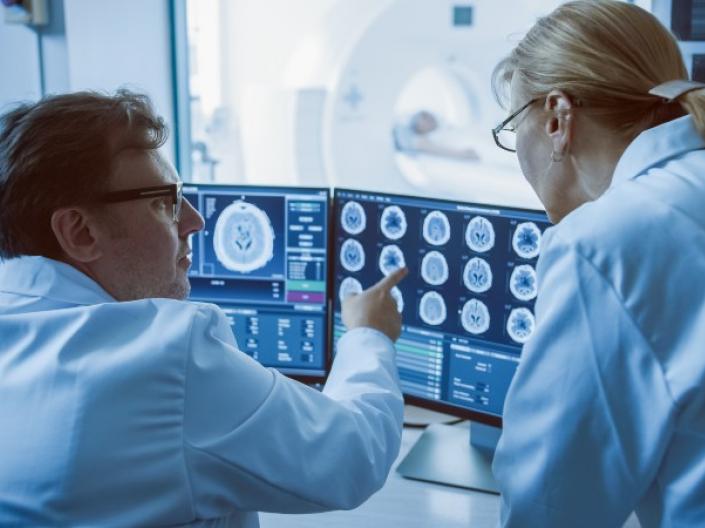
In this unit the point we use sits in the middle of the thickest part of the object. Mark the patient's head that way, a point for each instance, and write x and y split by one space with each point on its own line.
62 160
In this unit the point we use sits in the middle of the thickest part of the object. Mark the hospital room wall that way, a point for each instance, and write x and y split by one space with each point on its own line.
92 45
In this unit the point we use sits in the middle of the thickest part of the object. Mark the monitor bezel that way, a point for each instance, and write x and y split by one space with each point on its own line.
446 408
328 351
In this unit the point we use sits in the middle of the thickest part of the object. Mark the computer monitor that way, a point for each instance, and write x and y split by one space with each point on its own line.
263 258
467 303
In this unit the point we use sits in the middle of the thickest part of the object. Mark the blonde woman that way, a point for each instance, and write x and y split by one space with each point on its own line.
606 414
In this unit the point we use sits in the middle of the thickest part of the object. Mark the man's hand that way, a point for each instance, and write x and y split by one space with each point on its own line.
375 308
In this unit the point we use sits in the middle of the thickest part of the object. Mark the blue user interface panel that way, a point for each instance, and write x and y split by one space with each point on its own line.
262 257
468 302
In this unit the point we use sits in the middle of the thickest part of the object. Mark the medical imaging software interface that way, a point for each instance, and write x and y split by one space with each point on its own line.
468 300
262 258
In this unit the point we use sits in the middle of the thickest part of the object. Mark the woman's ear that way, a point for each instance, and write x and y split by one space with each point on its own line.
559 125
75 234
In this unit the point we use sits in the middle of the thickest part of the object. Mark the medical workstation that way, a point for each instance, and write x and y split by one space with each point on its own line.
327 143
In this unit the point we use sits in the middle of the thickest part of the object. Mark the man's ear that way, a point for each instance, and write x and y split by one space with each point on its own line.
75 233
559 125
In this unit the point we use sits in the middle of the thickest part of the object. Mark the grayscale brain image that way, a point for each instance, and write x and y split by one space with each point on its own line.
436 229
352 256
434 268
393 222
479 234
432 308
391 258
522 282
353 218
477 275
244 238
526 240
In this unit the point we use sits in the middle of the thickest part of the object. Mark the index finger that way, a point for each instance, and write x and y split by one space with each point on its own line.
391 280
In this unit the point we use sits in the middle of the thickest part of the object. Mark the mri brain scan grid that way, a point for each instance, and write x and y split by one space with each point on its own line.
471 274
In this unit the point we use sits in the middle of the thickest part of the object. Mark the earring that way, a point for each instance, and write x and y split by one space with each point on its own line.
557 157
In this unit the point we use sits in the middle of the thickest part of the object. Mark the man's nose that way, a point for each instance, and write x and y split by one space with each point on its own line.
191 220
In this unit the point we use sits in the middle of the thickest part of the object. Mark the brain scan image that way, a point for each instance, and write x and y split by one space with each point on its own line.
520 324
479 235
348 287
432 308
352 256
477 275
243 238
475 317
434 268
393 222
526 240
353 218
390 259
396 295
436 228
522 283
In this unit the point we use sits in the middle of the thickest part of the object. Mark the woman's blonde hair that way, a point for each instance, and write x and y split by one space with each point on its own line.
606 55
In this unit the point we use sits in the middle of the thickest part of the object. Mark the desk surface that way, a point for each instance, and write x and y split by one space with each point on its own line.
408 503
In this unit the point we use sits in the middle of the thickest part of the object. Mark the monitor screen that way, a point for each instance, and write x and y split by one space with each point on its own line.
467 303
262 257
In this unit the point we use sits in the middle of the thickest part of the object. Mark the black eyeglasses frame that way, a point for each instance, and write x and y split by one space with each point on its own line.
174 190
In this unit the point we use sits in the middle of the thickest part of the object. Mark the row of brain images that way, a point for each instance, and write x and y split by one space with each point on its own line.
477 273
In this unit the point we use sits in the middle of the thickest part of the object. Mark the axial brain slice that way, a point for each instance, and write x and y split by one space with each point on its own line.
391 258
527 240
434 268
352 256
477 275
522 282
520 324
243 239
432 308
479 235
475 317
436 228
393 222
353 218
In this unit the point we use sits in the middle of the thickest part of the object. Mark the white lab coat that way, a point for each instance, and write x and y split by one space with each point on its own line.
145 413
606 413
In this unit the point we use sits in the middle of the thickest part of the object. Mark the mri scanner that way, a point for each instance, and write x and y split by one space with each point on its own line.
367 64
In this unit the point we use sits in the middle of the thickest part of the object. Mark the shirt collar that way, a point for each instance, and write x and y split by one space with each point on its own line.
656 145
43 277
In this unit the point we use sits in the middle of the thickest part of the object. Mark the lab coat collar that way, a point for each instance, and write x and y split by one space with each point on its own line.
51 279
656 145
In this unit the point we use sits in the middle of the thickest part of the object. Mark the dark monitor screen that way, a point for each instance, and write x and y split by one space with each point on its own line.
468 301
262 257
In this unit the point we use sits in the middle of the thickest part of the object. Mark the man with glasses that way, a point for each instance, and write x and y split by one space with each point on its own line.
124 405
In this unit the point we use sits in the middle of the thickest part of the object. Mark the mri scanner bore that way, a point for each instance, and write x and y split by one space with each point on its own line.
470 291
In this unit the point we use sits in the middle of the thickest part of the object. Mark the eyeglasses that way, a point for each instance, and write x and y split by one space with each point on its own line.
173 190
504 134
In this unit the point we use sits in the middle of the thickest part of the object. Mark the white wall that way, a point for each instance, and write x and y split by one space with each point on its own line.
89 44
19 64
125 43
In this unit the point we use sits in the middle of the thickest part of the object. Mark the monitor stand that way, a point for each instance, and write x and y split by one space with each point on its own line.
444 455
